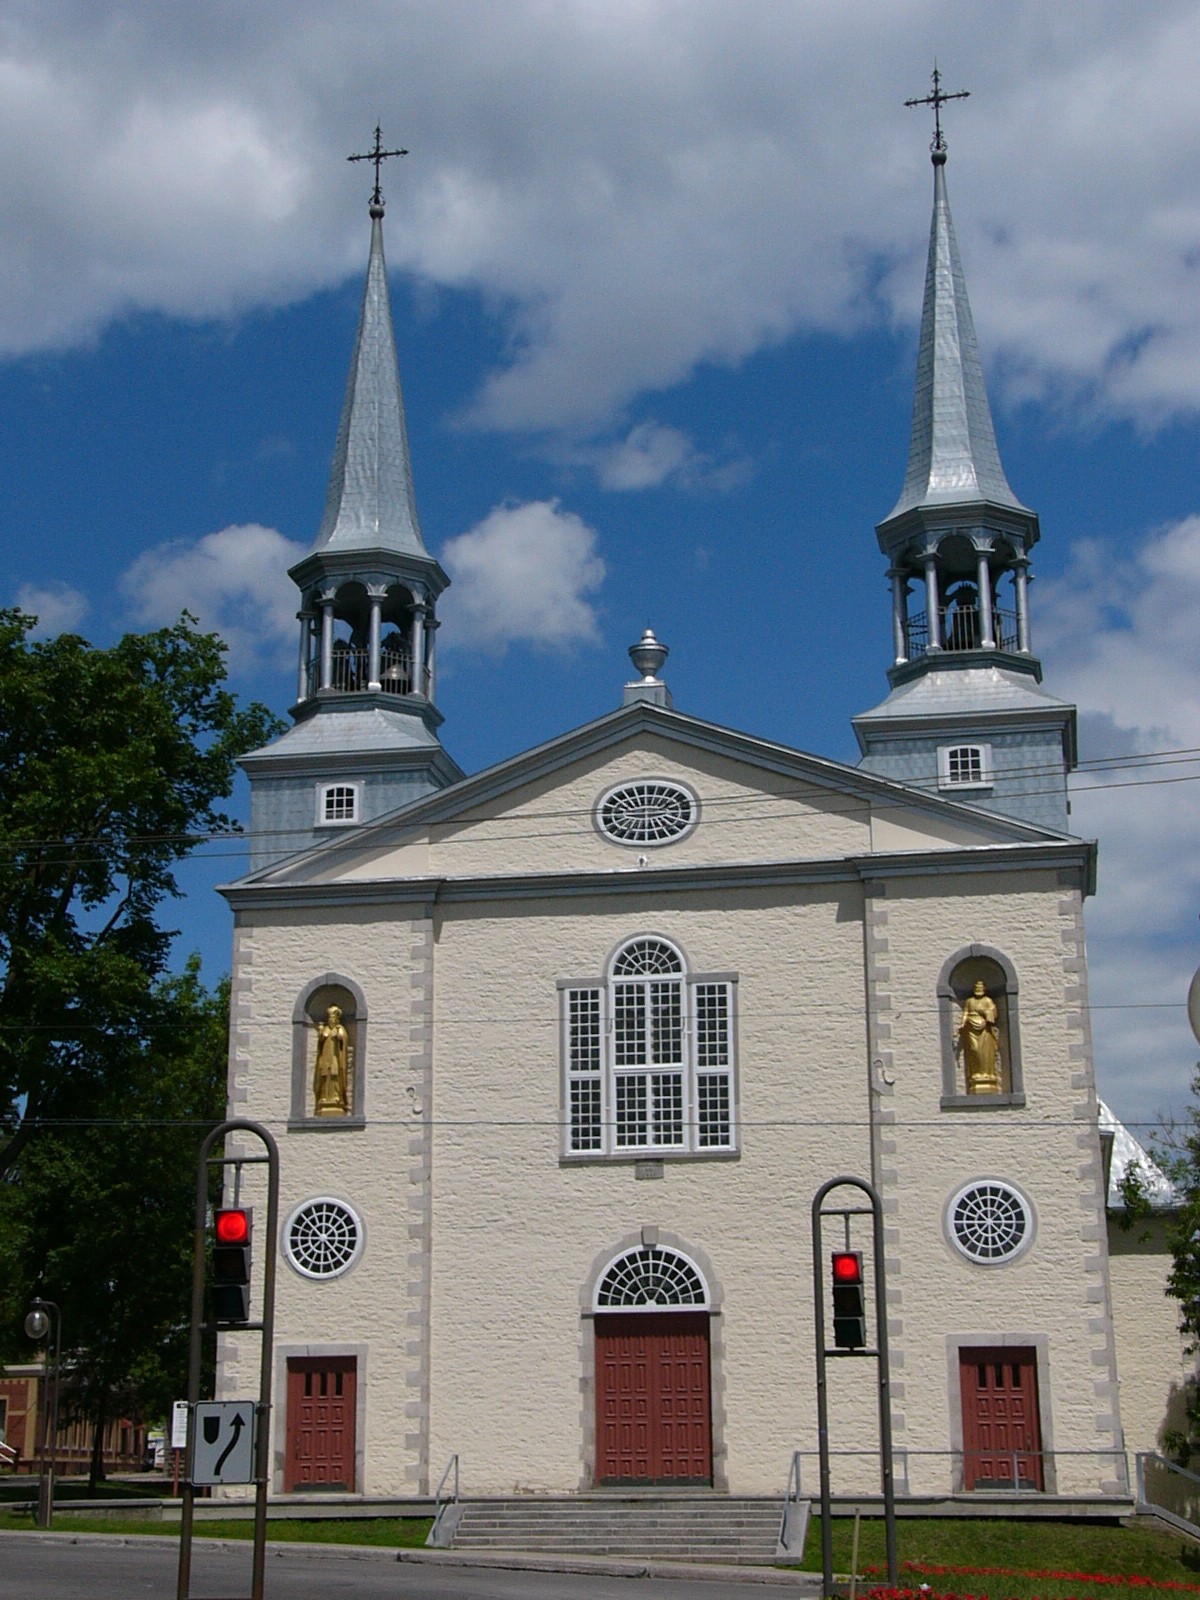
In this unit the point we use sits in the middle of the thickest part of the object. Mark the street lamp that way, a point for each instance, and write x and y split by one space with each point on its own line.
37 1326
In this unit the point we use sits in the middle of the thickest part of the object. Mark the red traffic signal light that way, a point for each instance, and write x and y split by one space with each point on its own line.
849 1303
847 1266
232 1229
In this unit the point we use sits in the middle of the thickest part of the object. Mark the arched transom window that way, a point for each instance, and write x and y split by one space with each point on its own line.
648 1057
652 1278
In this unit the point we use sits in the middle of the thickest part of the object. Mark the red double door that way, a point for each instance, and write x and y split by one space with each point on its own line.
1002 1439
653 1399
321 1393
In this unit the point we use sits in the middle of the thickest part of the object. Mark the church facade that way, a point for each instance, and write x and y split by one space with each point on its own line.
558 1053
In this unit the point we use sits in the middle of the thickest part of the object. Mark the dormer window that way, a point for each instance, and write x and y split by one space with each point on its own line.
337 804
965 766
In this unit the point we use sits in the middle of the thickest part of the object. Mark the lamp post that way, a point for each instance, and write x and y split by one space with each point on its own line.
37 1326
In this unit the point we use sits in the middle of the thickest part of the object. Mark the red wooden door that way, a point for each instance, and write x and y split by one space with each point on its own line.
653 1399
1002 1439
320 1423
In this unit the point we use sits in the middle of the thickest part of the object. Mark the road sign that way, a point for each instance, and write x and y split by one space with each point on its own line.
179 1425
223 1442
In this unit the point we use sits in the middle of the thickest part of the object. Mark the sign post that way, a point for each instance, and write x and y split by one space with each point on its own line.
228 1441
179 1438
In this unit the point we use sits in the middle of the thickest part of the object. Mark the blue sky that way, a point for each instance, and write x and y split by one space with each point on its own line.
656 275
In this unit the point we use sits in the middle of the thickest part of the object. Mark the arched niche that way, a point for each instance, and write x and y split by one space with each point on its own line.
309 1015
978 963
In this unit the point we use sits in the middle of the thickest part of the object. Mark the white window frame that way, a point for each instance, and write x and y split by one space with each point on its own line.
985 780
324 790
591 1092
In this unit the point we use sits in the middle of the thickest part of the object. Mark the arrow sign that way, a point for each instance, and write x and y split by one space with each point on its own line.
223 1443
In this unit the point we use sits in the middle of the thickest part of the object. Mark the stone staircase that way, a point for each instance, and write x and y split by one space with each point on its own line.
681 1527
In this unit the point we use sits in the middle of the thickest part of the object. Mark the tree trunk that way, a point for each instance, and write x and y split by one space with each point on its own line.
96 1470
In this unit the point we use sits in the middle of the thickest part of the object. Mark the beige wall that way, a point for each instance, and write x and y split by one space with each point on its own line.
1151 1359
469 1307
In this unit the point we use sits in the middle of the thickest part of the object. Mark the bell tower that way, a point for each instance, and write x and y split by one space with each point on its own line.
967 714
365 738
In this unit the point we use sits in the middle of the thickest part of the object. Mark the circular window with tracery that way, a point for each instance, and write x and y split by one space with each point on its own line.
990 1221
322 1237
651 1277
650 812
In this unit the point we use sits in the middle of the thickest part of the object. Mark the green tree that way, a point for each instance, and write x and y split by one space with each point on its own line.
111 766
97 1214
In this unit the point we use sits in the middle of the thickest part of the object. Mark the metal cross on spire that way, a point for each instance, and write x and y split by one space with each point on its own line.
937 100
379 155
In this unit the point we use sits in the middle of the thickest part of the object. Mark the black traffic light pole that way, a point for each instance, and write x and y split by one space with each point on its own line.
880 1353
262 1458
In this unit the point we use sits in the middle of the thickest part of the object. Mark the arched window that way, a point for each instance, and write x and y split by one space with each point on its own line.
651 1278
648 1057
981 1056
328 1054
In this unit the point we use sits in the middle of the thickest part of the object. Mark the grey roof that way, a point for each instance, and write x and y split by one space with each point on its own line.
964 691
349 732
952 454
1127 1152
370 504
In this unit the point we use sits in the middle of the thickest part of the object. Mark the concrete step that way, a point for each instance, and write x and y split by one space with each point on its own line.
676 1527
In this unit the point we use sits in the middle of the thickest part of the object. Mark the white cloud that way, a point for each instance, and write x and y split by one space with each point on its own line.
647 456
636 188
1120 638
234 581
523 574
58 607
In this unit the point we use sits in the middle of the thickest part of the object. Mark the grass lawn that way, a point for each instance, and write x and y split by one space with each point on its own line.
1093 1559
1083 1552
393 1532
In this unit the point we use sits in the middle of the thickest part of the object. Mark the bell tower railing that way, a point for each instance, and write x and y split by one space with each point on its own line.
960 629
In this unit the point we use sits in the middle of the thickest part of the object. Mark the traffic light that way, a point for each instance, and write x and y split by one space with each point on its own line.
849 1305
232 1228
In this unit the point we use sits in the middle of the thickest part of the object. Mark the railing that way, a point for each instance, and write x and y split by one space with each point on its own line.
351 668
446 1509
1168 1491
1013 1472
961 629
793 1520
9 1454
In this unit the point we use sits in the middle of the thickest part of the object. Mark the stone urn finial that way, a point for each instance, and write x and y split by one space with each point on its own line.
648 656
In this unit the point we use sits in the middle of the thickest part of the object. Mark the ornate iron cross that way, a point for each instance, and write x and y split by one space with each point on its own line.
379 155
937 100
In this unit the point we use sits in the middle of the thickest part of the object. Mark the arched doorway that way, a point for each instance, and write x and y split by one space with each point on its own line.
653 1371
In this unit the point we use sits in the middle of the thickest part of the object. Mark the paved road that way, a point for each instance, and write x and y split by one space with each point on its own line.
57 1567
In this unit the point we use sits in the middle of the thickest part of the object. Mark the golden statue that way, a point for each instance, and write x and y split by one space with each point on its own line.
331 1080
978 1038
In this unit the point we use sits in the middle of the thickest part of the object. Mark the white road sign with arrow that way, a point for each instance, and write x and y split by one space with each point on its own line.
223 1442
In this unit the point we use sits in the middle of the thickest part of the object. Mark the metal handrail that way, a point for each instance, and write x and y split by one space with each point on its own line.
1146 1504
793 1518
443 1505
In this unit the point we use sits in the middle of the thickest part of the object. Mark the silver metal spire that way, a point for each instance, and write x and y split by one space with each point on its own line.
952 454
370 504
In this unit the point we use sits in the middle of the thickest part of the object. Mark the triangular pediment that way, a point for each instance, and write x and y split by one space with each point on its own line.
755 802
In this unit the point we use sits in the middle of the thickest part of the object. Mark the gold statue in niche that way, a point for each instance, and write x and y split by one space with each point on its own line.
331 1080
978 1038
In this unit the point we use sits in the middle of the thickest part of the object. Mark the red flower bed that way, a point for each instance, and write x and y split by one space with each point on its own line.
932 1569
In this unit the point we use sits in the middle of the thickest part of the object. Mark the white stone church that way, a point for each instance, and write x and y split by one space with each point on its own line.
558 1053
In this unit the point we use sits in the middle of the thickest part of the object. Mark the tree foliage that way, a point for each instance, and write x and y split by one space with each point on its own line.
112 763
97 1213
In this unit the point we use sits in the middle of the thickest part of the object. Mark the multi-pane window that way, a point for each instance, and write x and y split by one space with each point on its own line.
339 803
964 766
648 1057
